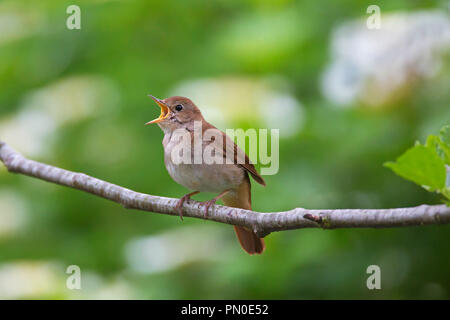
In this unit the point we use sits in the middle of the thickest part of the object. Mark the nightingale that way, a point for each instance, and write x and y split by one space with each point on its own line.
229 178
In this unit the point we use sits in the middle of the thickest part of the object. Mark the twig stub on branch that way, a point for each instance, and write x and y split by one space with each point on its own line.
261 223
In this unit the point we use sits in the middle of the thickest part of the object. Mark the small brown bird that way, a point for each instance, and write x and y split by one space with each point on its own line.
230 179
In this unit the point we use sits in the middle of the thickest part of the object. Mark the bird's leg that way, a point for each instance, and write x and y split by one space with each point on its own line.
179 206
209 203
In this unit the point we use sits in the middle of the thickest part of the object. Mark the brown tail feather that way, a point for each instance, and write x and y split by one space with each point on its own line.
249 241
241 198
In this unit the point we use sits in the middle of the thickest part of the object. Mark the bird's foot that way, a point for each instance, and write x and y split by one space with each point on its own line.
208 204
179 206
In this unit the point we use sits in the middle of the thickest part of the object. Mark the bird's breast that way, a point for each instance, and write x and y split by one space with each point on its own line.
202 177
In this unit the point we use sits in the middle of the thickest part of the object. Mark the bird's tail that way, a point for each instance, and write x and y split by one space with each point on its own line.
241 198
249 241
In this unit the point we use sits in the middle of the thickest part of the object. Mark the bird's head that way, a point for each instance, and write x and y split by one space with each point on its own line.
176 112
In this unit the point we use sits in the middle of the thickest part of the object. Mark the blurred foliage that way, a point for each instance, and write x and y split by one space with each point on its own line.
77 99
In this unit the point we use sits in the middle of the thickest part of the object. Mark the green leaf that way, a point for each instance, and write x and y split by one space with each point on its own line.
445 135
422 165
432 142
445 144
446 192
442 150
445 153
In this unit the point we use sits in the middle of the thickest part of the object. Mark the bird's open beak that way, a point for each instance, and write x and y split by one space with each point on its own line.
165 111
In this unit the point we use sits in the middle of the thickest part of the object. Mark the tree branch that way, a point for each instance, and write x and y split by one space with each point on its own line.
261 223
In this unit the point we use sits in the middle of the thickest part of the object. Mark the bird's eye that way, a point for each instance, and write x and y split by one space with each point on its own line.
178 107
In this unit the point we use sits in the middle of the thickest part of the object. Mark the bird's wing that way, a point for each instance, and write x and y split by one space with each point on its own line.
240 157
242 160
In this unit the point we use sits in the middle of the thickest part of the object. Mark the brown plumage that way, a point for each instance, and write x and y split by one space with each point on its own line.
249 241
231 179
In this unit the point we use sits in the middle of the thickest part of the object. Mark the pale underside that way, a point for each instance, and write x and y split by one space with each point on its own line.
215 177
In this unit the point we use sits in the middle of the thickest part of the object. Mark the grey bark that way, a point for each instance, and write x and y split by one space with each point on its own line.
262 223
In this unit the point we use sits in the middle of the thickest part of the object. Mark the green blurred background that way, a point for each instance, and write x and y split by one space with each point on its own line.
346 98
